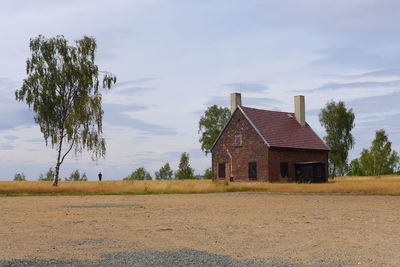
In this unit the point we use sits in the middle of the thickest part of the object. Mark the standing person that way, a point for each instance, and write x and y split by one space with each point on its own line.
100 176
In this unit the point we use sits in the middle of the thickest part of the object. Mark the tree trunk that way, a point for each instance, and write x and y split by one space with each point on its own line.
55 182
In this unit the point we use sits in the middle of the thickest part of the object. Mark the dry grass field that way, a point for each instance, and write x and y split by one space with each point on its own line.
375 185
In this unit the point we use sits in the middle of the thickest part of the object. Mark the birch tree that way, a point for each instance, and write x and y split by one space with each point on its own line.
62 89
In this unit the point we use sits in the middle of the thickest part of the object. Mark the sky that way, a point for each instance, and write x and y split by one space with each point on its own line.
174 58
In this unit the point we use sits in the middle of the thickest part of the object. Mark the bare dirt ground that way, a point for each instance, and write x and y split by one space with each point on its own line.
310 229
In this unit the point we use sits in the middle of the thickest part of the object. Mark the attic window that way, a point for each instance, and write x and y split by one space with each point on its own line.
238 140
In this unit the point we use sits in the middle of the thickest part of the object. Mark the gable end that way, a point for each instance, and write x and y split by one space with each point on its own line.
239 109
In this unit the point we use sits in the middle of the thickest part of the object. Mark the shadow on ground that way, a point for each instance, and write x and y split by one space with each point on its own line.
155 258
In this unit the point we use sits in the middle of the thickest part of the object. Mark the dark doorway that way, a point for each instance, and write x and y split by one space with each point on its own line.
252 170
284 170
221 170
310 172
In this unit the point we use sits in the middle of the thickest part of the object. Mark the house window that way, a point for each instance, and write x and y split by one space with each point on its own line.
221 170
253 170
284 170
238 140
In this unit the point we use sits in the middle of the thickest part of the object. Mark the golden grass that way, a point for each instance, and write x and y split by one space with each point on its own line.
379 185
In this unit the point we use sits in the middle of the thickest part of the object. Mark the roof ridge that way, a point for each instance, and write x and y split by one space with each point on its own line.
268 110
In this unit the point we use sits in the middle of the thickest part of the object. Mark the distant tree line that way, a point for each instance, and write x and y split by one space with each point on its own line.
184 171
49 176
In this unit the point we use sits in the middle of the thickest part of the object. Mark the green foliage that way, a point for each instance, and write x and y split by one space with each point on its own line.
48 177
338 122
355 168
184 170
76 176
139 174
379 159
62 88
211 124
19 177
165 173
208 174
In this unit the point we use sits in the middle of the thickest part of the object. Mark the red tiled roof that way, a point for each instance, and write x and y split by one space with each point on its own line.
281 129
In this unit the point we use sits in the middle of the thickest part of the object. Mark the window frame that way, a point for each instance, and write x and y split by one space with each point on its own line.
237 140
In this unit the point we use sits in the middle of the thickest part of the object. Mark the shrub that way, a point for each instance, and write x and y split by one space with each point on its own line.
355 168
19 177
184 171
165 173
76 176
208 174
49 176
139 174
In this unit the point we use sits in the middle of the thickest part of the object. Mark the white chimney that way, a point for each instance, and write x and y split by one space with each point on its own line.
299 109
236 100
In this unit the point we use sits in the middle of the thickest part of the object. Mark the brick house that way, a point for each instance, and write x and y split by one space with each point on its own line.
269 146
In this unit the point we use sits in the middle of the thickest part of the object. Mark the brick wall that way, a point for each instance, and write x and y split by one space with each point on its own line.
278 155
252 149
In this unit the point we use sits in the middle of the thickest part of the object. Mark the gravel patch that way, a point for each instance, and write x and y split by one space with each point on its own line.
102 206
187 257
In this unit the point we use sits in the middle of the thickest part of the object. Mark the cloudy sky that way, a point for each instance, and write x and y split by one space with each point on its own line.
173 58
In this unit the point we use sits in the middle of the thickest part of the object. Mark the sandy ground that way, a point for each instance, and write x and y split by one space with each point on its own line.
310 229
